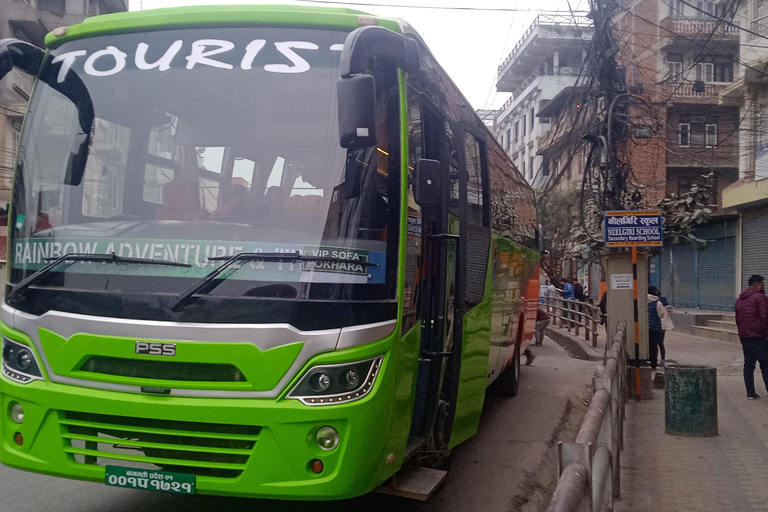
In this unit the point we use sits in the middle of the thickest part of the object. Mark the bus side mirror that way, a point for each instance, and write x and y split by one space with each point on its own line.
427 186
356 88
16 53
357 111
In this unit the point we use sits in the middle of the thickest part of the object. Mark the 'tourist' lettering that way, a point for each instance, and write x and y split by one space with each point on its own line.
111 60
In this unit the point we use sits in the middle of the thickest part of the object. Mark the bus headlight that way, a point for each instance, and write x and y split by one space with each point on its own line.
19 362
337 383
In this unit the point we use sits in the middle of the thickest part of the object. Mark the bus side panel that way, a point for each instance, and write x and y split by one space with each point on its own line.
515 267
476 341
406 353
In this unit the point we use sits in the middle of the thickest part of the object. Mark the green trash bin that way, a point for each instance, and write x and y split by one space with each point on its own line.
690 400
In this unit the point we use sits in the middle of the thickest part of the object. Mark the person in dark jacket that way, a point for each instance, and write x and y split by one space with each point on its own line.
752 322
656 312
578 291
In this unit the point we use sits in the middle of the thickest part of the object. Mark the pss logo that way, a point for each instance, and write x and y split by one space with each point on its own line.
156 349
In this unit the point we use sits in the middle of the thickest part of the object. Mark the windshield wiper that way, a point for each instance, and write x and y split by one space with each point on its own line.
203 282
108 258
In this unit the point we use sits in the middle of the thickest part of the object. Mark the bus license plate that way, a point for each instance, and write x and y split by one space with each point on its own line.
131 478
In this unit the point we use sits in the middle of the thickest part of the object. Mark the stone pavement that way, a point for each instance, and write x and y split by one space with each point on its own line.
724 473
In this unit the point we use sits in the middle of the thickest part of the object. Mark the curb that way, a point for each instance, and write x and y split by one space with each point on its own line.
574 345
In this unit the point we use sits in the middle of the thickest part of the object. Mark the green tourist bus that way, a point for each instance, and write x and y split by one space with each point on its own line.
262 251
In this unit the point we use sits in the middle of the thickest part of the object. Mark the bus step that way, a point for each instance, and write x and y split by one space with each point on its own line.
413 482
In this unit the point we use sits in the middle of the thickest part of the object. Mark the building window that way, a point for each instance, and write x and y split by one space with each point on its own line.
517 131
522 170
675 67
533 118
708 8
710 136
530 167
723 69
676 7
705 71
525 124
684 140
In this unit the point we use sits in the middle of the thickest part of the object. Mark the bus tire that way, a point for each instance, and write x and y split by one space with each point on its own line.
509 381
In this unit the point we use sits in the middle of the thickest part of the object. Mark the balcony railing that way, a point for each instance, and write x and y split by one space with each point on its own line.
563 71
560 20
685 90
699 27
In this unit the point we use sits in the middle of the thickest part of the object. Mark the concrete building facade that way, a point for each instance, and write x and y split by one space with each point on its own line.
547 60
681 57
749 195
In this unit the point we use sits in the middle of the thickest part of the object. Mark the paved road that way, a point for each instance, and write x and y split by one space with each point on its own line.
663 473
486 472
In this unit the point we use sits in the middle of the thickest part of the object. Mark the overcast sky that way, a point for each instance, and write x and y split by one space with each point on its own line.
470 45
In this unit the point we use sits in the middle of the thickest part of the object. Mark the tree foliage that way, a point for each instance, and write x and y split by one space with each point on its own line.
683 212
557 213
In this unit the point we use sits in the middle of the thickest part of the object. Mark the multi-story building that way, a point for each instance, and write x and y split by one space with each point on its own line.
548 59
680 57
31 20
749 195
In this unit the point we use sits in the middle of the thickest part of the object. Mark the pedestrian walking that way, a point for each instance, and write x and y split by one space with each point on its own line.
752 322
656 312
552 294
666 323
542 321
568 291
603 305
578 291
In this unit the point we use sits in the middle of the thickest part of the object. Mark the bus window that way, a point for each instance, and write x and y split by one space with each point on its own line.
475 180
414 226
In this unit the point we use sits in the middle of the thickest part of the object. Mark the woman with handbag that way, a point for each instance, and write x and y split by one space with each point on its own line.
659 321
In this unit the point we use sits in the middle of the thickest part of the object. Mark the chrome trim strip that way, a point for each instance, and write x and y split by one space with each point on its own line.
264 336
363 334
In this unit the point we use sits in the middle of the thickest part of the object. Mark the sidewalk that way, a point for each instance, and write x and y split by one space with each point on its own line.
724 473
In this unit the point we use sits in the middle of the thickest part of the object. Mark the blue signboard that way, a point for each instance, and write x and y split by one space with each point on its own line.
642 228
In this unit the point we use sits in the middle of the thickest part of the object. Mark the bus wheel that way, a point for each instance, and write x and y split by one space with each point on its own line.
509 381
438 456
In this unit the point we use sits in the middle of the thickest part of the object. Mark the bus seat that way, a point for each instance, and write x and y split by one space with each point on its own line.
276 198
304 206
181 202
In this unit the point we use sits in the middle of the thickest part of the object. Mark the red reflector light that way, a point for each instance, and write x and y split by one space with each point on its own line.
19 439
316 466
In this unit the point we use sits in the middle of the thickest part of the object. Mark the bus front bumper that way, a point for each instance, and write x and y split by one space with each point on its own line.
270 454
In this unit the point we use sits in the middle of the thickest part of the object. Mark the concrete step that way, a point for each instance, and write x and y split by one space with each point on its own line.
715 334
723 325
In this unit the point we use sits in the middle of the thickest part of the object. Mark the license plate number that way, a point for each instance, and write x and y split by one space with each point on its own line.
180 483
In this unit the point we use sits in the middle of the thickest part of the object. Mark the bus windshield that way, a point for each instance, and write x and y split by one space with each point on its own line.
204 143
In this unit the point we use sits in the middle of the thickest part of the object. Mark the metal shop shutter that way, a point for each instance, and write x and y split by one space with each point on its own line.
683 269
717 266
754 244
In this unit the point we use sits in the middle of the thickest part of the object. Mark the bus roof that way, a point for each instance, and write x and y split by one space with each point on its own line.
221 15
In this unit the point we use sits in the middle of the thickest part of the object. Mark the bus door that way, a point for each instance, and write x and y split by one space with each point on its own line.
441 322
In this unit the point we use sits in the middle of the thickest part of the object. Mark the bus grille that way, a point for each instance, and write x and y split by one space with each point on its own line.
206 449
163 370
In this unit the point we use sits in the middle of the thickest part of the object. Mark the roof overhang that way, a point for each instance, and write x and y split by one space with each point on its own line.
745 193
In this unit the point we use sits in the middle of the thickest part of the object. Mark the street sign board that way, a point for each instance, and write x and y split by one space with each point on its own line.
640 228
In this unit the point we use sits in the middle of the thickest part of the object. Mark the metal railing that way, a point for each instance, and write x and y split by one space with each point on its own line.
589 467
575 315
557 20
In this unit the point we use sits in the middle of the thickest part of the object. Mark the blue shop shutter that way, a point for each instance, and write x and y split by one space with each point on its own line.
717 266
754 244
683 294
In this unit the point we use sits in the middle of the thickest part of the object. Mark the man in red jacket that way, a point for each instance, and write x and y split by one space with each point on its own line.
752 321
